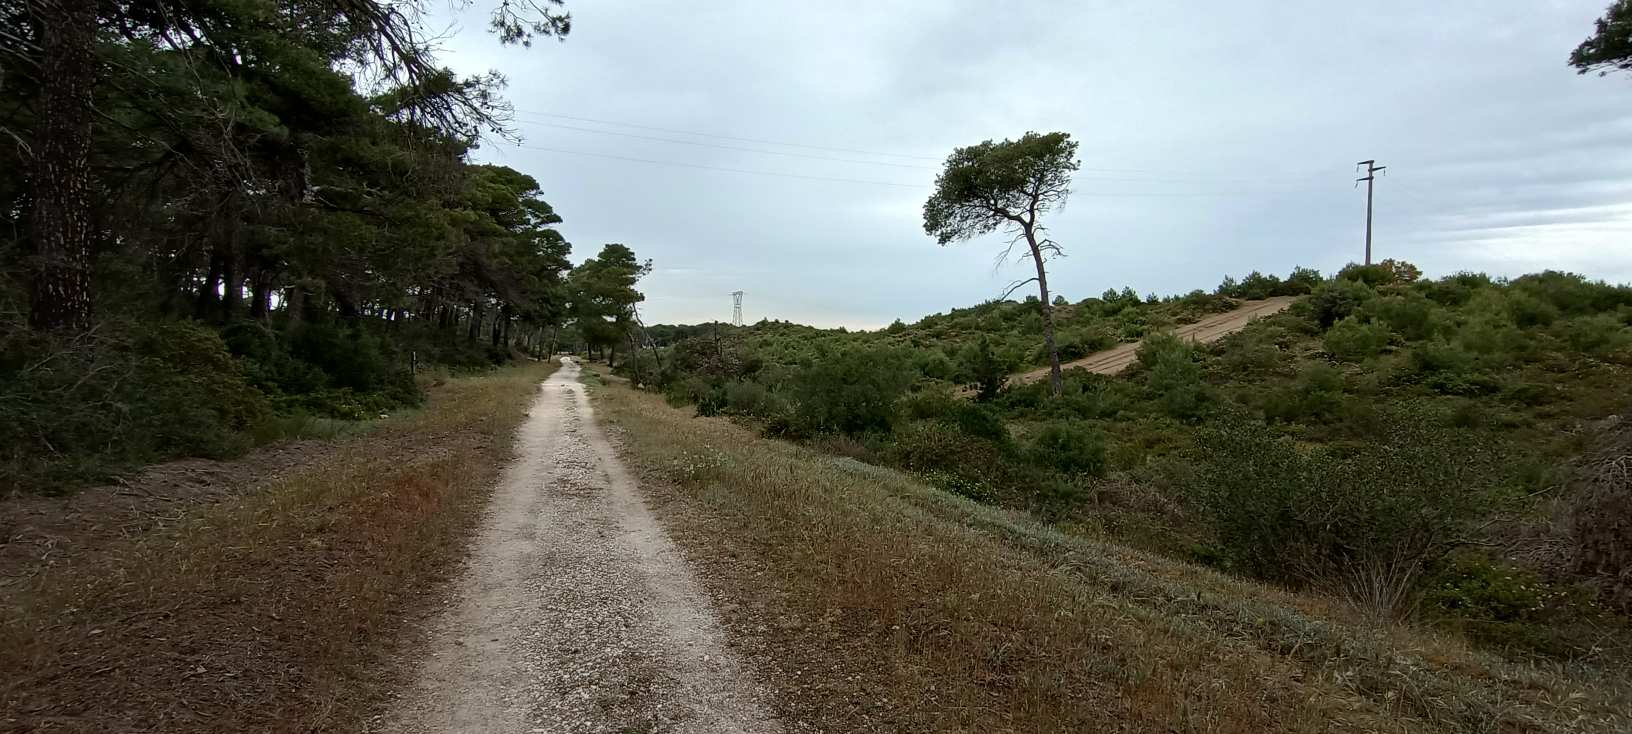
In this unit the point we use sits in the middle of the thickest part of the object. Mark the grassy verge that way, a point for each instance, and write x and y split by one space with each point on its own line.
875 602
272 611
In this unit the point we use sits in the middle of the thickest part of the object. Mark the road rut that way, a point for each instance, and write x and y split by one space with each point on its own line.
576 613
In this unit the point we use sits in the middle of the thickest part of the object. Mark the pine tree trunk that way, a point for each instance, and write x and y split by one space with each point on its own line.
60 218
1055 381
260 294
209 294
295 309
232 290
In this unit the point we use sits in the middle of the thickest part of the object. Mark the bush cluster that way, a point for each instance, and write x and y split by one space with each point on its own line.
75 410
1343 444
1379 513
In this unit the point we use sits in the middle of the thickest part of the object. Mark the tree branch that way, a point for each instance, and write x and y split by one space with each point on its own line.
1016 286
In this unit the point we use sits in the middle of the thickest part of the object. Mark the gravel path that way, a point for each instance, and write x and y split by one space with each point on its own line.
576 614
1212 328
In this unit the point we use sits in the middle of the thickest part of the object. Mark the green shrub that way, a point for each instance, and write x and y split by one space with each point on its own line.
268 365
1449 369
1572 294
1302 281
746 397
1259 349
1173 377
985 368
981 421
707 395
1597 334
1335 300
1528 311
936 447
852 392
124 394
1371 275
310 369
351 357
341 403
1495 339
1353 341
1501 604
1079 343
1316 396
1472 587
1366 522
1257 286
935 365
1069 447
1409 314
1052 497
962 486
1530 394
1387 272
1454 290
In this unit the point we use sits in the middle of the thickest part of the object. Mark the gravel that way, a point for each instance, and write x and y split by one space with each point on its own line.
576 612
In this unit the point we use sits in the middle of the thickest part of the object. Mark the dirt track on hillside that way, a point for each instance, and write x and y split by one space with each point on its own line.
1212 328
576 613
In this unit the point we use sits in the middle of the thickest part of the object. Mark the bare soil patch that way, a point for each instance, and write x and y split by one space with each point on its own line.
37 532
1114 360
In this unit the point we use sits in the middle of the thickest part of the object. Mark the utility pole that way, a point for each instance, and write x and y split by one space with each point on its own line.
1371 179
736 308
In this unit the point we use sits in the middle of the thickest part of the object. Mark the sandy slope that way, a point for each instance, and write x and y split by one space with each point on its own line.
1217 326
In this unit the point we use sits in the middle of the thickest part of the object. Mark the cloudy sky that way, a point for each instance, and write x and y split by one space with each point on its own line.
785 149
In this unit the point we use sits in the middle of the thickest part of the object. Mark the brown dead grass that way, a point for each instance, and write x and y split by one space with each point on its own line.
272 610
872 602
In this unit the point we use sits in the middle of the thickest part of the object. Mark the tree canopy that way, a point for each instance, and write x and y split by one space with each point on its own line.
294 178
1008 185
261 141
999 185
1609 48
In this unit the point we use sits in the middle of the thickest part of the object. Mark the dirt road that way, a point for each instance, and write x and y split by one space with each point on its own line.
576 613
1217 326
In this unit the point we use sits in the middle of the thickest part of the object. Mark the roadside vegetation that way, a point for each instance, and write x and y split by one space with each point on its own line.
1425 450
879 601
270 604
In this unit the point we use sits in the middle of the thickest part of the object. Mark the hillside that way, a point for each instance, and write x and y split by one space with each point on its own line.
1421 449
877 602
1207 330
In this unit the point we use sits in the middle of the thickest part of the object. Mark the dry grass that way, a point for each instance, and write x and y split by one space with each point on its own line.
873 602
271 611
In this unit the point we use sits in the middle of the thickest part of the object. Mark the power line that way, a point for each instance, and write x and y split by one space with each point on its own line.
730 147
871 163
1174 175
731 137
834 179
867 162
719 168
